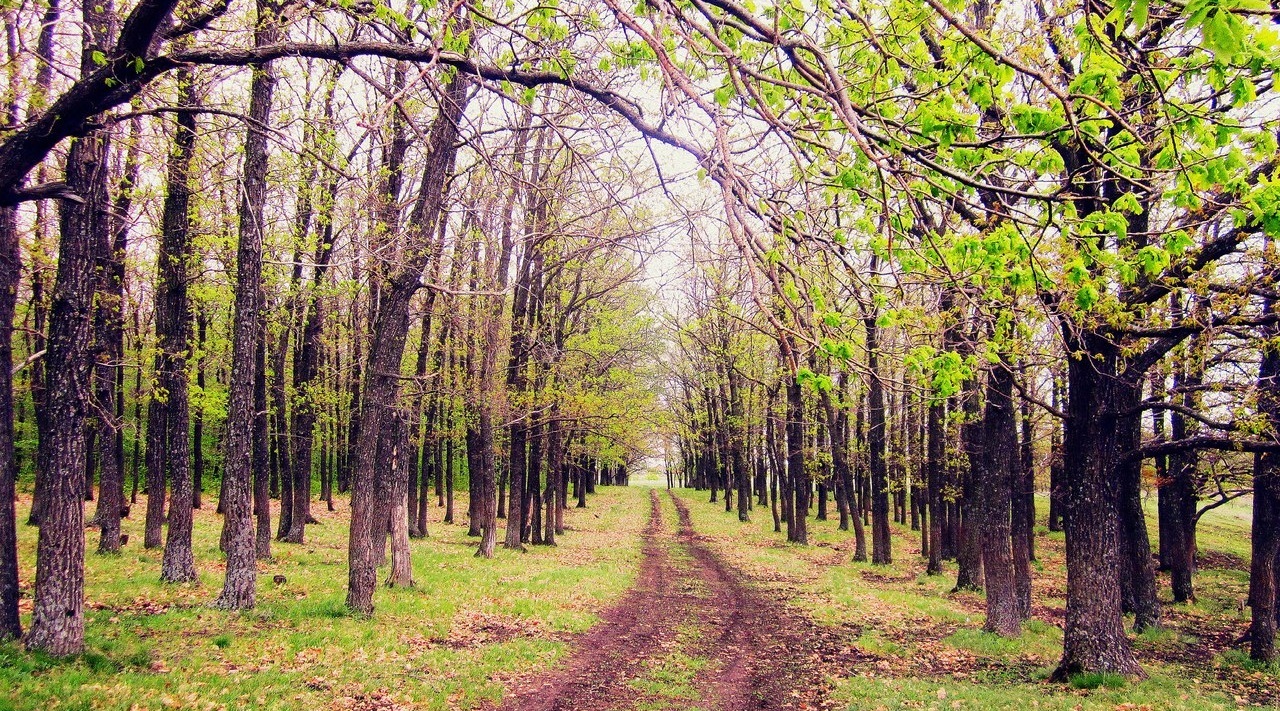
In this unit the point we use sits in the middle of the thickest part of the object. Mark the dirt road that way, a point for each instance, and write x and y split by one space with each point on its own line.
692 633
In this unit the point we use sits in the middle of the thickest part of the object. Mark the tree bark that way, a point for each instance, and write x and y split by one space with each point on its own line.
995 468
401 575
797 522
881 539
10 275
239 587
1094 637
261 455
390 331
173 335
1023 511
109 332
969 573
1265 538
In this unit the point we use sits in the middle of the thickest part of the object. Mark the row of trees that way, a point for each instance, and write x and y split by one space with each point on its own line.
986 214
381 276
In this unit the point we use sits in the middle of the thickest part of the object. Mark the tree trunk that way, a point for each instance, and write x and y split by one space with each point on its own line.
197 428
881 540
1135 546
1265 539
935 469
239 588
57 620
109 332
969 573
389 333
1094 638
401 565
10 275
261 453
797 522
173 334
994 468
1023 511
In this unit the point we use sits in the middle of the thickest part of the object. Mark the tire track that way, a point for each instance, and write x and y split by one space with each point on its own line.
762 654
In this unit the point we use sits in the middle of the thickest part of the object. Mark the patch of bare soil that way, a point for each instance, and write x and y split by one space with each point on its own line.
1221 560
476 629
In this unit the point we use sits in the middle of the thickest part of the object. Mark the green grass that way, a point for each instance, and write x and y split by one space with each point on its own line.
471 626
153 646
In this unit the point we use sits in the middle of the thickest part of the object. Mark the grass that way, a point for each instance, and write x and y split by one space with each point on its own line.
670 679
471 626
453 641
926 643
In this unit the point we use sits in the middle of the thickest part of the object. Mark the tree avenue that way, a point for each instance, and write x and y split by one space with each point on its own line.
990 287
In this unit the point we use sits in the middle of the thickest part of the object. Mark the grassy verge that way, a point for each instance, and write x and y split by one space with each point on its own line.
453 641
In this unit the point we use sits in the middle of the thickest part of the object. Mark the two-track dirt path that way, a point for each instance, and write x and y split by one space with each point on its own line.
752 651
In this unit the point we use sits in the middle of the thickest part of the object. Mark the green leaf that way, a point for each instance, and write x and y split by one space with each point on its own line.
1086 297
1223 34
1139 14
724 95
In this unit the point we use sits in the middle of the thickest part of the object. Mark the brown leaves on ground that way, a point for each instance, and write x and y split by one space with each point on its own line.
472 629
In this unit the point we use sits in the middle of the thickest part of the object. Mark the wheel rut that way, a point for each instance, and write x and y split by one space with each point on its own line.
692 633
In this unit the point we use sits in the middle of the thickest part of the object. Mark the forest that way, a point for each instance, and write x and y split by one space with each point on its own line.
676 354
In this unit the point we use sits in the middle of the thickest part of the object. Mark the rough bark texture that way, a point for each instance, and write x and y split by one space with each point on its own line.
173 333
1265 539
996 466
109 334
1023 514
57 620
1136 546
261 454
935 468
239 588
969 544
881 539
388 343
797 522
401 575
1094 638
10 274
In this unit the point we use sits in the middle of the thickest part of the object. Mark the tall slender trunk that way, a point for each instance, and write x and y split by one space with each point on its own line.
969 575
840 467
197 427
57 619
239 587
935 469
1023 510
797 523
1057 484
10 276
881 540
389 333
173 334
1094 638
261 454
551 497
1265 538
401 575
109 331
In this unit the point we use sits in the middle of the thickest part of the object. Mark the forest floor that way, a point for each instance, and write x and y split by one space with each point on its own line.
651 601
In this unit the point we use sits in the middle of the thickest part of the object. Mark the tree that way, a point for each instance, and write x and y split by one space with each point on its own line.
239 588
